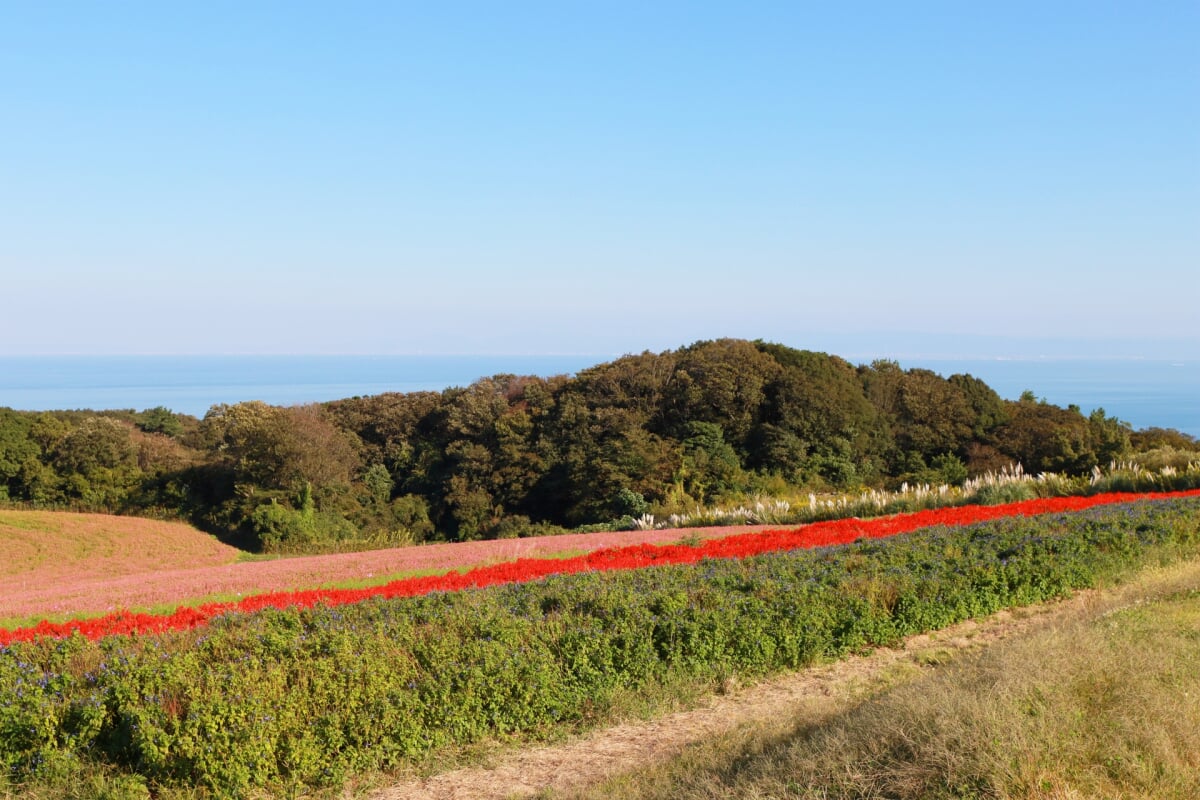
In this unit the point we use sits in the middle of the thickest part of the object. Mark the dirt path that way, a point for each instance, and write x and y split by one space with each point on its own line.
608 752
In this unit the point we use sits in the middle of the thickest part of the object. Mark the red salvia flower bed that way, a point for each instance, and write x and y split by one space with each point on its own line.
820 534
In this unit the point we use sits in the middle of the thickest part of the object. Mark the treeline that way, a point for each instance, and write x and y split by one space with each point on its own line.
516 455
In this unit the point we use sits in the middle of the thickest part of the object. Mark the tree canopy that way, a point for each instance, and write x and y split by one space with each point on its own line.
511 455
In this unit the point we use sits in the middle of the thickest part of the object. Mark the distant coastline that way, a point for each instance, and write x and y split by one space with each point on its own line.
1143 392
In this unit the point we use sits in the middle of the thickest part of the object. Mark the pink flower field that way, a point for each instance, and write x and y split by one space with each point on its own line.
180 564
514 561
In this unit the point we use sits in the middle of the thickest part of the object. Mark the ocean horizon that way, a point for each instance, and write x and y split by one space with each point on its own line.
1143 392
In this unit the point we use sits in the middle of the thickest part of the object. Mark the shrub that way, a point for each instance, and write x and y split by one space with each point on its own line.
998 494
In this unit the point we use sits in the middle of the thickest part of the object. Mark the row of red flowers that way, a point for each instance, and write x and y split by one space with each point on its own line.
820 534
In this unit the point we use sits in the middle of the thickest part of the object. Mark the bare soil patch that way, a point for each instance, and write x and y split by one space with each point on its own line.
95 564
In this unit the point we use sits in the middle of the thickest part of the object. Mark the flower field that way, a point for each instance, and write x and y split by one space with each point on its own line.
138 572
45 553
523 570
330 684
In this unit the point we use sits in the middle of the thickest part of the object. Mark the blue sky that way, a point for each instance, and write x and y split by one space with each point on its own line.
567 177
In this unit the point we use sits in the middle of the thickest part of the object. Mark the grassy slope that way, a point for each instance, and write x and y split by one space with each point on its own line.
50 553
1182 593
1105 703
36 546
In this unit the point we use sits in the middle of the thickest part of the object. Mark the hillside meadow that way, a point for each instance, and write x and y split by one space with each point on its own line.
42 547
463 575
293 701
59 563
63 565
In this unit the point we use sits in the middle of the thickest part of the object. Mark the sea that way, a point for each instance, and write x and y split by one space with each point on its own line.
1142 392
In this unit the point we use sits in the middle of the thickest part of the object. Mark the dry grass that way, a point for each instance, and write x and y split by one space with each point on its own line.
1102 704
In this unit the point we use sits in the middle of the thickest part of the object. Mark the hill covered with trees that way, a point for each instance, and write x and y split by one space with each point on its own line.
513 455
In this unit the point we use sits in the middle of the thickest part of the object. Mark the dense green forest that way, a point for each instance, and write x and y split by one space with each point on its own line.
517 455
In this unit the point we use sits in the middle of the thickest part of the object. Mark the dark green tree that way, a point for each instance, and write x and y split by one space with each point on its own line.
722 382
817 421
1046 438
160 420
710 466
17 449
